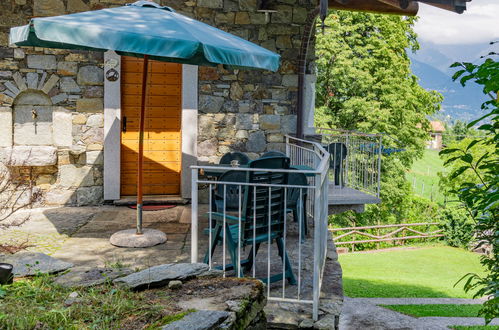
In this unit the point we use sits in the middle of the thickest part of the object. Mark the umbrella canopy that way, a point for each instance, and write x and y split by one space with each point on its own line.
145 27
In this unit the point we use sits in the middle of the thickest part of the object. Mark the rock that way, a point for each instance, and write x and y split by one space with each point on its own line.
47 87
95 158
60 197
69 85
48 7
199 320
208 147
306 324
73 294
270 122
93 91
288 124
67 68
72 176
71 301
90 75
244 121
236 92
43 62
62 128
256 142
174 285
211 273
96 120
211 3
327 322
209 104
77 6
86 277
90 105
242 18
32 263
89 195
162 274
29 156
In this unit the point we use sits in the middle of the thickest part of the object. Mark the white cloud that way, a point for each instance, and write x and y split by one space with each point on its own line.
478 24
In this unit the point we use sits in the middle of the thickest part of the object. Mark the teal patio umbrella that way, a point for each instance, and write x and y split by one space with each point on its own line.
144 29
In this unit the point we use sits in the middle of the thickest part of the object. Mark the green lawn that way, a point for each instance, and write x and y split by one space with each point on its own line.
424 171
437 310
425 273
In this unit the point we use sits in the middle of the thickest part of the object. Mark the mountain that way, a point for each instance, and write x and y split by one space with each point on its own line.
431 64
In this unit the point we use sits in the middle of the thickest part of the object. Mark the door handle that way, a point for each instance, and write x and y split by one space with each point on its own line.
123 128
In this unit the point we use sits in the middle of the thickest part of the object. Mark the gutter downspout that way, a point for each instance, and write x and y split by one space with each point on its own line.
302 69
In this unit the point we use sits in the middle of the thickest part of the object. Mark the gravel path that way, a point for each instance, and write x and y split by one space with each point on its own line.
363 313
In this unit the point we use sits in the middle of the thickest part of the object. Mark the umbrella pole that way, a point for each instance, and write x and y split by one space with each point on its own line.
140 159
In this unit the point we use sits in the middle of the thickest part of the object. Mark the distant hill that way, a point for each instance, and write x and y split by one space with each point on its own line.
432 65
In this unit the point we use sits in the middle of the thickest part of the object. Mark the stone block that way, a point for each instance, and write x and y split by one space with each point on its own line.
67 68
69 85
242 18
275 138
270 122
93 135
244 121
42 62
256 142
73 176
29 156
242 134
60 197
274 146
32 80
50 83
21 83
89 195
48 8
95 158
59 98
90 75
280 94
90 105
19 53
288 124
247 5
236 92
258 18
210 104
206 125
93 91
13 88
6 52
79 119
77 6
96 120
211 3
62 128
290 80
299 15
225 18
208 147
284 14
201 319
5 127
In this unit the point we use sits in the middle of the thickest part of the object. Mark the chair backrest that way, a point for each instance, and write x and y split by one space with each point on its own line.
231 191
239 156
338 152
297 179
273 153
264 203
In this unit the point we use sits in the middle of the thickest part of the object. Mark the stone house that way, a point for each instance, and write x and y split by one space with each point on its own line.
69 130
437 128
68 119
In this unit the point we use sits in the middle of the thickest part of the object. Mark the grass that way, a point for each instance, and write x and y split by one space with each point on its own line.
420 273
437 310
424 171
37 303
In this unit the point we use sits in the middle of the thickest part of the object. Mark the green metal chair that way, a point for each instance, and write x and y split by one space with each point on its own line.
261 206
293 200
242 158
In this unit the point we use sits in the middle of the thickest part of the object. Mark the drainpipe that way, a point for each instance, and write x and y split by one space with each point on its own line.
302 69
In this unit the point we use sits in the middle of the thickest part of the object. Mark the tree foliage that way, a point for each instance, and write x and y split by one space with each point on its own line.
365 83
480 191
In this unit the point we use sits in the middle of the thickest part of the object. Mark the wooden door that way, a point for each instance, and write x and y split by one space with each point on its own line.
162 135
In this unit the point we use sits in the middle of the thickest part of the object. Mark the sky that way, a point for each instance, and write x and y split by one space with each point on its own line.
478 24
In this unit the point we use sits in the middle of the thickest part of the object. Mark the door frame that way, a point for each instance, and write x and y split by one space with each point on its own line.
112 127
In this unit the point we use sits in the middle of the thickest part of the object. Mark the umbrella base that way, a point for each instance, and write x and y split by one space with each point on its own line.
129 238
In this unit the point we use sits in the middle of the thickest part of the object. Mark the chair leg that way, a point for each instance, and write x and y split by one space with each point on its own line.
214 242
288 273
233 249
250 261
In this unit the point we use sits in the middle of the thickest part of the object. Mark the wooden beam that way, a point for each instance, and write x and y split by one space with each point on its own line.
375 6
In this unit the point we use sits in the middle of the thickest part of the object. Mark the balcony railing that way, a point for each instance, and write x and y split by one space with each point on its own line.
235 215
355 160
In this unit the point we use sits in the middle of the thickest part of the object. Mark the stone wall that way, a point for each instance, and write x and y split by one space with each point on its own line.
242 110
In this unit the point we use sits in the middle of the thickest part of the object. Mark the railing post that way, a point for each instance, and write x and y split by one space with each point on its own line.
379 164
194 216
317 242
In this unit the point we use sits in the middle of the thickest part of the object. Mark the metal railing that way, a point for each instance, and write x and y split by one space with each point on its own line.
307 253
355 159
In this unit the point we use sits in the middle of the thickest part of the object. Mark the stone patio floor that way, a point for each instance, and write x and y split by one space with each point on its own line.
80 235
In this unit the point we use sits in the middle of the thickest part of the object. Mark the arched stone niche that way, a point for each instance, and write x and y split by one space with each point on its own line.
32 119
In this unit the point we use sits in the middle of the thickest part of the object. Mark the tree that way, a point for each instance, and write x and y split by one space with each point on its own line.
480 191
365 83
